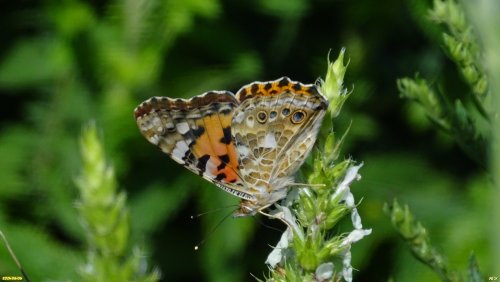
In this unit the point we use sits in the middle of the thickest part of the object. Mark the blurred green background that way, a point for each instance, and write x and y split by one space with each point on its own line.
64 63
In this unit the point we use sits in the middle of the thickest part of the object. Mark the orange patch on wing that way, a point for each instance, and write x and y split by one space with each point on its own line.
211 143
202 146
213 128
230 174
276 89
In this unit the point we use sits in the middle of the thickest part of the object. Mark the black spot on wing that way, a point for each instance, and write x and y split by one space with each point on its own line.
226 139
296 87
254 88
220 176
226 110
243 92
215 106
198 131
202 163
321 106
171 129
268 86
224 160
189 157
283 82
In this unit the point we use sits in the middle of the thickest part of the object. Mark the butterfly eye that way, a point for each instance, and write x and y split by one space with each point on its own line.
262 117
298 116
285 111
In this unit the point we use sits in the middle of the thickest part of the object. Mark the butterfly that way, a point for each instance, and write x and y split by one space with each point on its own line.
249 144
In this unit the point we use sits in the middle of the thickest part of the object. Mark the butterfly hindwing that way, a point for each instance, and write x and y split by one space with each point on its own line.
275 127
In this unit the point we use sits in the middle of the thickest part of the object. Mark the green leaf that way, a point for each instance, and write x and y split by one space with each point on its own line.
38 254
474 273
35 61
166 199
15 149
285 8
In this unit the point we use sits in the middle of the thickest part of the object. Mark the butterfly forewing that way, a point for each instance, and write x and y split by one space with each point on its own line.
195 133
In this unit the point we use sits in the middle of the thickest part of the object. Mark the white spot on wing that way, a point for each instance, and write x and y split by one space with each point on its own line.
269 141
209 168
156 121
182 127
154 139
239 117
180 150
243 150
250 121
261 189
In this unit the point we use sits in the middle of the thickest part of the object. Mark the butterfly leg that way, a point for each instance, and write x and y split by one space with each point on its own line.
279 215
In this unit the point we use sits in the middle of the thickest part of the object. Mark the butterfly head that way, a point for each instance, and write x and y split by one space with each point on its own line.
247 208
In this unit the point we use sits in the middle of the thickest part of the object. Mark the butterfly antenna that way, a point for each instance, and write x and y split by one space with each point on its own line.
212 231
13 256
212 211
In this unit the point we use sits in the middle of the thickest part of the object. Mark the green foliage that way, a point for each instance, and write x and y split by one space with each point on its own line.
417 238
456 121
435 105
62 64
13 256
333 85
474 273
461 44
464 124
221 249
105 219
34 52
470 126
486 20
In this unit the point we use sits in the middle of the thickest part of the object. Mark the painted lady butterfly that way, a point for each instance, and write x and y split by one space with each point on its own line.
249 144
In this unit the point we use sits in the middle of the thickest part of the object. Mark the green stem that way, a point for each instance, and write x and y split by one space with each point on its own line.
13 256
418 240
